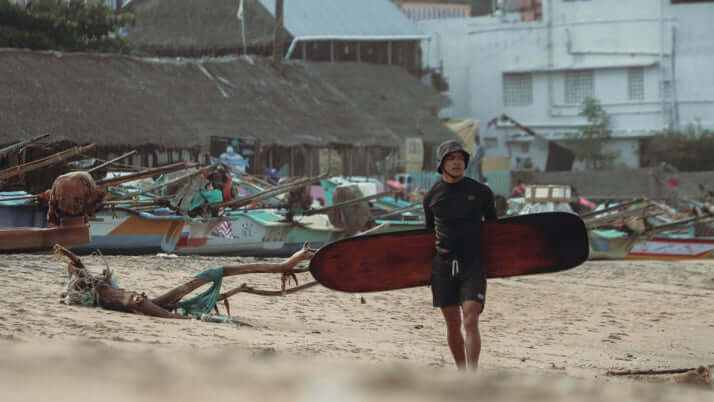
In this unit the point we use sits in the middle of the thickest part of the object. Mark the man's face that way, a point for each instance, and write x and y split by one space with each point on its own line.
454 164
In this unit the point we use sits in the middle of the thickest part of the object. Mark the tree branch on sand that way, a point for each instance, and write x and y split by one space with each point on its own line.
88 289
702 375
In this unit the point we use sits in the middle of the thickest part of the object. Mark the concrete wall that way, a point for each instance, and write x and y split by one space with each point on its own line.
623 183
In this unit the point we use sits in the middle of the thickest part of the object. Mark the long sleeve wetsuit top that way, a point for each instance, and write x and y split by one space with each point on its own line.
455 212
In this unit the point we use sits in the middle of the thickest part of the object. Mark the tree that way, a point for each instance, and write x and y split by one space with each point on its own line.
687 150
587 144
65 26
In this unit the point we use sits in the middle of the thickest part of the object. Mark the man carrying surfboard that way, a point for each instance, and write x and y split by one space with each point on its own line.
454 209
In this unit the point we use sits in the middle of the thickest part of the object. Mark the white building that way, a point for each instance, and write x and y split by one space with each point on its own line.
650 63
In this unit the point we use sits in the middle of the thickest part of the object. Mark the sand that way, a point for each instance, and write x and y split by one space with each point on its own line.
549 337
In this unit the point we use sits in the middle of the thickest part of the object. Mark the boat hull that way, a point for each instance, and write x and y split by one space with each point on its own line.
21 240
251 237
125 232
672 249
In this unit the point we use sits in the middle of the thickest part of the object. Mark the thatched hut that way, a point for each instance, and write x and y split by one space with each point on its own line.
189 28
362 104
172 109
369 31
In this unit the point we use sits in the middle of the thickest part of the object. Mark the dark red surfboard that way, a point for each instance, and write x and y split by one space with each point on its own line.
519 245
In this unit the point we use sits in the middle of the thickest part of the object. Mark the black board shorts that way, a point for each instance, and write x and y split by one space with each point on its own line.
454 283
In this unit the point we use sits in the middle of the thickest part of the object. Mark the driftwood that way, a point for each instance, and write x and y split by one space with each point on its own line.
650 372
112 298
286 268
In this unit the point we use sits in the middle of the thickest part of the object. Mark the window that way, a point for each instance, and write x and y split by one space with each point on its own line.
636 83
490 142
517 89
578 86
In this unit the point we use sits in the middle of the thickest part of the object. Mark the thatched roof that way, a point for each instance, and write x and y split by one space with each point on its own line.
399 100
120 100
193 27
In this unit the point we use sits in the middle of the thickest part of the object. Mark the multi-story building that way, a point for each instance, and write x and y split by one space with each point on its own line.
647 62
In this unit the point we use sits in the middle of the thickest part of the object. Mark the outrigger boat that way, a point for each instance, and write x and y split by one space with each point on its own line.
663 248
253 233
124 231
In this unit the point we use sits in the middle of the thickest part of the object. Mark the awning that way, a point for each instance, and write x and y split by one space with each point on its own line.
611 62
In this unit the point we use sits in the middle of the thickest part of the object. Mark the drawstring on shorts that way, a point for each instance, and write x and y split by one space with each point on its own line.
454 267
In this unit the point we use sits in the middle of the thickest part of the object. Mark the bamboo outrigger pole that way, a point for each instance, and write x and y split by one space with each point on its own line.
21 144
146 173
345 203
239 202
109 162
46 161
168 183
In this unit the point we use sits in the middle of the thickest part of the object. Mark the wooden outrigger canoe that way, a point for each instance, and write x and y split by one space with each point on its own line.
70 232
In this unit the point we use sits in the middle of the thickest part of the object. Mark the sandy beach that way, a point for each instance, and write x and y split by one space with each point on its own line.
548 337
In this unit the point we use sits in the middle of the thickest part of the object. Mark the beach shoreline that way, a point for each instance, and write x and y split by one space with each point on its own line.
551 334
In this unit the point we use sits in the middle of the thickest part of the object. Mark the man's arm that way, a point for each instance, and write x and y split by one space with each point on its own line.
489 209
428 216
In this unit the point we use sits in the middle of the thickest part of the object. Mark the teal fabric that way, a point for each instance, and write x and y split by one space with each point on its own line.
206 197
204 303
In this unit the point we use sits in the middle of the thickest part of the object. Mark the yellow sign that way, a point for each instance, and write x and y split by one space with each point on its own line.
466 130
496 164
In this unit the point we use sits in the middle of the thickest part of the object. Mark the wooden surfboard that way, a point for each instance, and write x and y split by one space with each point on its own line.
519 245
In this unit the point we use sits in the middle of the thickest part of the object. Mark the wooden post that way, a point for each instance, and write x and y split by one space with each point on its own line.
359 52
309 163
292 161
332 51
351 153
277 54
304 51
389 52
416 53
369 161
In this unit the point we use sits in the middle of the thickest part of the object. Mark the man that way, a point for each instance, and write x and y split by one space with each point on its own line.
519 190
235 159
454 208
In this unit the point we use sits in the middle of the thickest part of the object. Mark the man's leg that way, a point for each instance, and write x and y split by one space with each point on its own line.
472 310
452 315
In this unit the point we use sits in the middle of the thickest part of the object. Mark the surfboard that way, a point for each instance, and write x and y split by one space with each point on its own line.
519 245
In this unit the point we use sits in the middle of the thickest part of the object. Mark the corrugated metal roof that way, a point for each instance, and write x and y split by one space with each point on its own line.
344 17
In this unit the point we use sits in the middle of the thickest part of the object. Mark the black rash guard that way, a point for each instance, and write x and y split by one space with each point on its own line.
455 212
